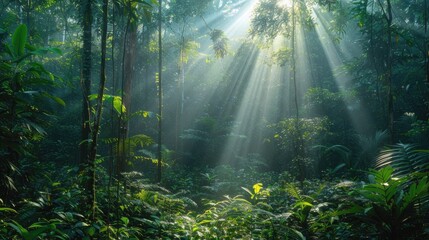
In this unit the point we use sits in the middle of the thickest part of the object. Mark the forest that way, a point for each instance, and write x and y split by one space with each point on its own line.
214 119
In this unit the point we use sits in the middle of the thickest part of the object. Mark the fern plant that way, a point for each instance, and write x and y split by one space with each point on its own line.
369 147
303 206
404 158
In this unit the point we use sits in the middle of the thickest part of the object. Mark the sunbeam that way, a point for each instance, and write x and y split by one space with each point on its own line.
336 58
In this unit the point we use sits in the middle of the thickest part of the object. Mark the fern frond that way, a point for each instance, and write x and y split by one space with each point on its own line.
404 158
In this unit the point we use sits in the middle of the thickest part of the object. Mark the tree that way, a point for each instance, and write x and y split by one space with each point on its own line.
159 166
87 166
180 15
272 19
86 78
97 118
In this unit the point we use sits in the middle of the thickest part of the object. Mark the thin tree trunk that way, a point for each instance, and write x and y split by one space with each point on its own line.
389 71
426 53
295 89
97 120
181 98
159 167
298 145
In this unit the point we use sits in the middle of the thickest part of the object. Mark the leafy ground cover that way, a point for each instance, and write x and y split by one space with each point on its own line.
222 203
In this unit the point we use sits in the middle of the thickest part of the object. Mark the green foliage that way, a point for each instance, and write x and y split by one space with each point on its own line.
322 101
282 56
19 39
294 136
220 43
202 202
181 11
269 19
389 204
340 152
25 87
115 100
404 158
132 146
39 230
136 9
303 205
258 192
414 130
236 217
369 148
310 130
188 49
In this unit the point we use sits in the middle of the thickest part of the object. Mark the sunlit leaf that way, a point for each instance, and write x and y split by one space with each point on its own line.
117 104
125 220
257 187
248 191
8 210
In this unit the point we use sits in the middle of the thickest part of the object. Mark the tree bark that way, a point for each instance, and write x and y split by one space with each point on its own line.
159 166
97 120
85 165
86 79
389 71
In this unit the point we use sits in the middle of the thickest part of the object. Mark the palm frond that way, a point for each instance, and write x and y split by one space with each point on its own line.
404 158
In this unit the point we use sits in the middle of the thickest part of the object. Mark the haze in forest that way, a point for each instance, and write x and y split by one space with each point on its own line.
214 119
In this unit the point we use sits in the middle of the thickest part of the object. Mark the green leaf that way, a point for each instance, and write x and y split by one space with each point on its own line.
125 220
33 234
44 51
29 235
91 231
8 210
299 234
117 104
303 204
103 229
20 229
54 98
116 101
248 191
58 100
19 39
56 184
81 224
205 221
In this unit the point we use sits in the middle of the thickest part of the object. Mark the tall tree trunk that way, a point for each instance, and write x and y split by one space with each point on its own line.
159 167
298 138
128 63
426 53
181 97
389 71
86 79
85 164
425 14
97 120
295 89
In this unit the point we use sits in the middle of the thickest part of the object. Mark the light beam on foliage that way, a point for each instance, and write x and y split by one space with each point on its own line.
336 56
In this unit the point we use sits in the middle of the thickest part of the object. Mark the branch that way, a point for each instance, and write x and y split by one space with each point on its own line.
204 20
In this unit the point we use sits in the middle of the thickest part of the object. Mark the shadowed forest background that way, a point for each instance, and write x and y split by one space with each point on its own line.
214 119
